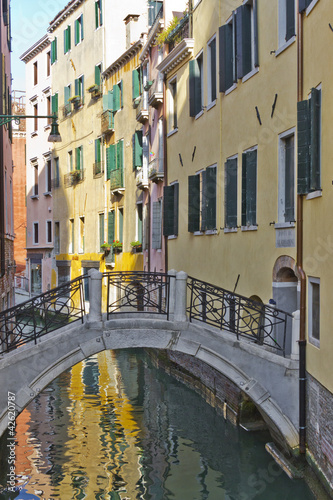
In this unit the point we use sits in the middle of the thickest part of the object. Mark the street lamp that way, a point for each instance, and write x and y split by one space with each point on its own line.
54 134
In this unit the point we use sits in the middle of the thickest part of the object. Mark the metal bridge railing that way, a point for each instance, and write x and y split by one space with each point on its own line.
137 291
244 317
40 315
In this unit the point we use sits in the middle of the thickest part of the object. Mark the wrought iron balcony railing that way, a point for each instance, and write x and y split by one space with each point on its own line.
98 169
117 180
107 122
73 178
66 109
180 32
156 92
142 178
156 169
142 114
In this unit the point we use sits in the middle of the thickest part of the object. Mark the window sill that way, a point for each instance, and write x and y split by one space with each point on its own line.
230 230
172 132
285 45
48 193
172 236
34 197
230 89
47 127
211 105
209 232
249 75
314 194
314 342
199 114
311 6
249 228
198 233
33 134
284 225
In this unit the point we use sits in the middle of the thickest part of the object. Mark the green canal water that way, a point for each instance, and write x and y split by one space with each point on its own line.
116 427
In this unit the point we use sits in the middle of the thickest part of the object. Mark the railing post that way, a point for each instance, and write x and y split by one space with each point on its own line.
95 295
180 296
295 335
172 290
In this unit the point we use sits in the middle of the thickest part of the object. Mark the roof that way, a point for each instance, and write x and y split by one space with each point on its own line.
65 12
123 58
35 49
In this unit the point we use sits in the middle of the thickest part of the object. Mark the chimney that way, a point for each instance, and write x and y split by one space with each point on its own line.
131 29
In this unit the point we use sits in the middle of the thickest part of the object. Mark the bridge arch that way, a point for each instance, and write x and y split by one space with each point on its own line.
28 370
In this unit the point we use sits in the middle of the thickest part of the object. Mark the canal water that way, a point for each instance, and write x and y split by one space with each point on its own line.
115 427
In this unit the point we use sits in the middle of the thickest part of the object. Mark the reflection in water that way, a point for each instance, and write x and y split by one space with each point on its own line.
115 427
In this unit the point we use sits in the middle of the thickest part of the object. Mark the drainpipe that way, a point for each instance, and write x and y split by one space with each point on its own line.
299 259
2 194
165 164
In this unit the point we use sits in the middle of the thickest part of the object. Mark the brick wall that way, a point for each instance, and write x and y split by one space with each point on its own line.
319 428
7 281
19 194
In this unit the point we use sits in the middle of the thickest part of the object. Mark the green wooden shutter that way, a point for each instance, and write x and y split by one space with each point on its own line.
98 75
77 87
97 150
121 94
67 94
54 50
100 13
249 206
135 83
82 32
315 113
239 41
96 14
111 235
303 142
213 68
116 97
231 193
290 19
168 210
101 231
105 102
140 225
54 103
255 34
226 57
138 149
192 83
156 223
246 39
193 203
175 207
65 41
110 100
121 224
78 158
76 31
210 198
289 213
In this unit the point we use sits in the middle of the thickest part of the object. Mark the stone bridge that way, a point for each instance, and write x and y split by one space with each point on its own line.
269 379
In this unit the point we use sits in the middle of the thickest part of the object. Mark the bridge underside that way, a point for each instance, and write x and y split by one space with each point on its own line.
269 380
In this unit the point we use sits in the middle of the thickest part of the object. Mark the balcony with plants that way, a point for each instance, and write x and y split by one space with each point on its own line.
98 169
73 178
156 170
117 181
107 122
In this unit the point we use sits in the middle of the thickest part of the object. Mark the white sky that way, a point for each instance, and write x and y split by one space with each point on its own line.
30 20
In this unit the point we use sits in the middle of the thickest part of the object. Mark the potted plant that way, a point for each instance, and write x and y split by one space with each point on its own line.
106 248
93 88
75 99
136 246
117 246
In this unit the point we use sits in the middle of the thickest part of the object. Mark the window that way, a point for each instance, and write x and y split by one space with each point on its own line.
309 143
136 83
67 39
98 73
196 85
98 14
70 161
48 63
35 117
170 209
81 234
71 236
108 101
249 188
35 233
304 4
314 310
157 225
67 103
111 227
137 149
286 21
202 200
54 103
35 73
48 176
211 71
78 27
54 51
120 224
230 193
57 237
48 231
115 164
286 207
48 106
79 88
98 157
118 96
79 158
139 227
172 101
247 38
35 186
56 180
101 230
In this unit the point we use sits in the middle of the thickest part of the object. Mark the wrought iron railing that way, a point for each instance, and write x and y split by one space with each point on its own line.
107 121
116 179
246 318
178 34
137 291
156 169
43 314
98 169
73 178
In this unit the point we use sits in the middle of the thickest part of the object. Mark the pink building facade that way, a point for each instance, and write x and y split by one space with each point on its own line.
7 263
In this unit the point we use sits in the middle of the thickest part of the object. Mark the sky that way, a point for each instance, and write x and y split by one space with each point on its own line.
30 20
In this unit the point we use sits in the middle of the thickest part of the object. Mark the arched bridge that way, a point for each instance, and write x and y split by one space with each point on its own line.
244 340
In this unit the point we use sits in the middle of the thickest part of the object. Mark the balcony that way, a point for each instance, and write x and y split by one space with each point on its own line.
117 181
142 179
178 34
73 178
76 101
156 92
66 110
98 169
107 122
156 170
95 90
142 114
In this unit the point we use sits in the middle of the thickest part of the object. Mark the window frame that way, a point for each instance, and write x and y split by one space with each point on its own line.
196 85
210 73
312 339
71 235
78 30
230 228
35 232
282 177
56 237
98 14
48 231
67 39
250 227
81 234
172 106
174 209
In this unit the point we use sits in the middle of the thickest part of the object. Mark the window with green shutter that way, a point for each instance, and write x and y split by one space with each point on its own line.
246 38
202 201
79 158
196 85
136 83
101 231
98 14
194 203
230 193
118 96
211 87
170 210
121 225
54 103
249 188
139 228
98 152
227 54
108 101
137 149
98 73
67 39
67 104
54 51
309 143
111 227
110 160
78 30
157 225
